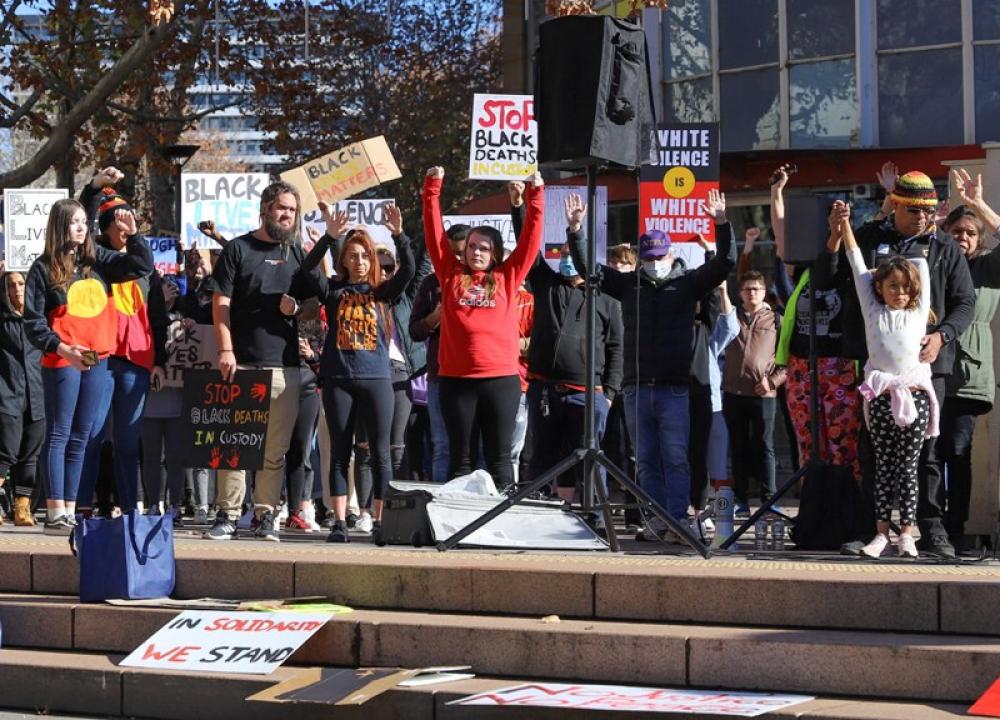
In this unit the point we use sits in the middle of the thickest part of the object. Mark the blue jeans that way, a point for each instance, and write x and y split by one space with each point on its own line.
556 419
128 402
660 427
98 434
72 405
439 435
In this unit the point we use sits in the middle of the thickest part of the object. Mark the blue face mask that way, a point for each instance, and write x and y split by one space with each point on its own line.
566 266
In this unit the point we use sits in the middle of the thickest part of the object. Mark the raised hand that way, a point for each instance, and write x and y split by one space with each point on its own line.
393 219
576 211
838 213
887 176
702 242
970 192
942 212
207 228
779 178
435 172
107 177
536 179
288 305
715 206
515 189
125 221
751 235
336 221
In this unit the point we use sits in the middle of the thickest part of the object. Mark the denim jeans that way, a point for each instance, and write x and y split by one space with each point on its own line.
72 403
660 427
557 426
439 435
128 401
99 433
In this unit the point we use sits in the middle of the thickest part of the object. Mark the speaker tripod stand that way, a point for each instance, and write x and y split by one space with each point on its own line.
590 456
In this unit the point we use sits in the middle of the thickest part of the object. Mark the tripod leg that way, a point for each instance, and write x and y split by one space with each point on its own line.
602 500
748 523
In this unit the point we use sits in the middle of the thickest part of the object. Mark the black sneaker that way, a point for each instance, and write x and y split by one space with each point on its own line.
222 529
938 545
266 527
339 533
60 526
852 548
377 533
352 520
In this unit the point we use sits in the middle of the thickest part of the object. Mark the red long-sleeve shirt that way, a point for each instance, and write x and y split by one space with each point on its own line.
479 338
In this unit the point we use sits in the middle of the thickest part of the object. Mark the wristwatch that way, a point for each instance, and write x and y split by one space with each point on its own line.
945 335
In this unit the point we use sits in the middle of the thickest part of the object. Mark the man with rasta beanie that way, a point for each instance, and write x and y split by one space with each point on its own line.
658 307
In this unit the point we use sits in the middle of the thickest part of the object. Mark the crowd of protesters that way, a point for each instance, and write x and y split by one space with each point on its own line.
435 356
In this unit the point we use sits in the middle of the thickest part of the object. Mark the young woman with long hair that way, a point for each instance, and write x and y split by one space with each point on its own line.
354 364
70 316
479 348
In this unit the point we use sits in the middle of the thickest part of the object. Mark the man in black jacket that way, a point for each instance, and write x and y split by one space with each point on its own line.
909 232
658 307
557 370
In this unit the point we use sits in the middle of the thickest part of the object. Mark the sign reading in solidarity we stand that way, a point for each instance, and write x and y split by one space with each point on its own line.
672 193
343 173
226 423
25 215
504 137
232 642
230 200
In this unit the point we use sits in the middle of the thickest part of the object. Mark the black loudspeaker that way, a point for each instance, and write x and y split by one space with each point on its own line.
593 100
806 226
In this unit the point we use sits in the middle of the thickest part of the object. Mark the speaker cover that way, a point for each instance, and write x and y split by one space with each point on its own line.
593 100
806 227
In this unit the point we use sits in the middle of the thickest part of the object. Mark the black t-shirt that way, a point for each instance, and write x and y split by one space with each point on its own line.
829 323
254 274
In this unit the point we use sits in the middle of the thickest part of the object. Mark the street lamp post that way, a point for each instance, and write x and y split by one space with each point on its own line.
178 156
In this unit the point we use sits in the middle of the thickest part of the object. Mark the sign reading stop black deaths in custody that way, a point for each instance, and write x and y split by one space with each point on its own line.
226 423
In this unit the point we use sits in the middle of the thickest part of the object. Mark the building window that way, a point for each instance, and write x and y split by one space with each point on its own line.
919 102
688 57
986 59
749 102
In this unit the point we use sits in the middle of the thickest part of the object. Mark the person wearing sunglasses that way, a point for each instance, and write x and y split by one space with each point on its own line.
908 231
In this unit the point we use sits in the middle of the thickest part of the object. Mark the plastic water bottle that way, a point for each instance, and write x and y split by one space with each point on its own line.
723 510
778 533
760 534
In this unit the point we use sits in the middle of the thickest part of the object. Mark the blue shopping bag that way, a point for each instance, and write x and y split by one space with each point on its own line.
129 557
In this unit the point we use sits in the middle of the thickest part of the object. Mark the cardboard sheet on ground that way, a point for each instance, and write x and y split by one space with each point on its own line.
351 686
229 642
634 699
989 704
307 603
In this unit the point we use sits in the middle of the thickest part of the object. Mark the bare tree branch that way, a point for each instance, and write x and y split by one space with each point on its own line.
19 111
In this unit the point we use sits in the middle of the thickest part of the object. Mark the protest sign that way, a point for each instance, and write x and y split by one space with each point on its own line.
230 642
189 347
672 193
500 222
164 254
368 213
25 215
230 200
343 173
352 686
554 236
988 704
225 424
635 699
504 142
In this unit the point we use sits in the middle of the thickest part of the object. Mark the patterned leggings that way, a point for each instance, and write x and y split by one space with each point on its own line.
897 454
839 409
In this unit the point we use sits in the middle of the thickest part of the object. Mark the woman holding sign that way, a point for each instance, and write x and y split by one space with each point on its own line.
479 347
69 316
354 364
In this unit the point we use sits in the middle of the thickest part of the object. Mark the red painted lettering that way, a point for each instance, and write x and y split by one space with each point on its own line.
175 654
506 114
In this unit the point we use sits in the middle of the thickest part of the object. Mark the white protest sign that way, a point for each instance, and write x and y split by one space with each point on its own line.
189 347
504 141
25 215
500 222
554 236
368 213
635 699
230 200
232 642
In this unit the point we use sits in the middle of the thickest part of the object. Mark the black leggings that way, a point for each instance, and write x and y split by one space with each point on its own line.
370 402
20 445
298 464
494 401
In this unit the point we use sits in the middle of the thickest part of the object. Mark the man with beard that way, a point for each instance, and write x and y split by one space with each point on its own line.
257 293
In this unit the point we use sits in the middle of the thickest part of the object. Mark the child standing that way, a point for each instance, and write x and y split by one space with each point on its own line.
900 404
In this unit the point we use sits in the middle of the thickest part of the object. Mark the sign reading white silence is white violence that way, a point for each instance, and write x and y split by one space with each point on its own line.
231 642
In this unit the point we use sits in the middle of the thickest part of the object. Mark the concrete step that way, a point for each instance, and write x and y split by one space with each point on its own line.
924 667
840 593
58 682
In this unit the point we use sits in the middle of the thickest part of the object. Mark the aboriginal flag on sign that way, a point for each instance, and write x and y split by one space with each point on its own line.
553 251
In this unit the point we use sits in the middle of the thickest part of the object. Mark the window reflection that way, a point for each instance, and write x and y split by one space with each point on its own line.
749 110
986 19
748 33
688 38
920 102
911 23
817 28
823 107
690 101
987 59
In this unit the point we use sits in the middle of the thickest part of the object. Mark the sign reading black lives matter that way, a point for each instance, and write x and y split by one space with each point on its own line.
226 423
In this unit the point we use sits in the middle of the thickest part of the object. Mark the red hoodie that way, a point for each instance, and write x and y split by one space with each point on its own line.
479 338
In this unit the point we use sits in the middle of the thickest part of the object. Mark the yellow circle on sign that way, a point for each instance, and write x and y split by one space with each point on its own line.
678 182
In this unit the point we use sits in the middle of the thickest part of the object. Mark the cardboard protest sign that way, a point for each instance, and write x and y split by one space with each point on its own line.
230 642
352 686
672 193
368 213
189 347
554 236
25 215
226 423
500 222
230 200
164 254
343 173
635 699
504 142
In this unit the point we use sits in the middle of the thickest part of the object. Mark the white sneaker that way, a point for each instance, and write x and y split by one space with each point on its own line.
364 523
876 547
309 515
283 513
200 515
907 546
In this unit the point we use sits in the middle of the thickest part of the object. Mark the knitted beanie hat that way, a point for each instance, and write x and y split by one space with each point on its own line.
914 188
110 203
